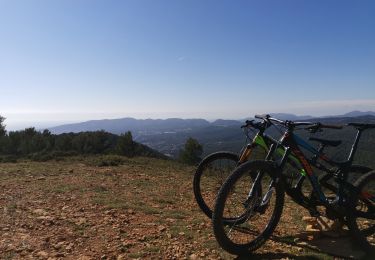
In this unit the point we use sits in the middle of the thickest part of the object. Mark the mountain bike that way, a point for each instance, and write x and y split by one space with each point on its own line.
256 204
216 167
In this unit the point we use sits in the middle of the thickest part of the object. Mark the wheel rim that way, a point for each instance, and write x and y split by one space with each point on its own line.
213 177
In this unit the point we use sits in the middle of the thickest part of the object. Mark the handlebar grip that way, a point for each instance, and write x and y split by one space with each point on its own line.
248 123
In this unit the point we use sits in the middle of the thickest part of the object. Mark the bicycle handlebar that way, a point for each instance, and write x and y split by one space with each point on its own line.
318 126
268 118
313 127
286 123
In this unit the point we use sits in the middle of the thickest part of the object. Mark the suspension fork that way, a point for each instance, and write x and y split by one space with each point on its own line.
259 177
267 196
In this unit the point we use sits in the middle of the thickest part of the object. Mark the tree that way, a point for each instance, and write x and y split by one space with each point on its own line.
125 144
63 142
2 127
191 152
3 137
27 145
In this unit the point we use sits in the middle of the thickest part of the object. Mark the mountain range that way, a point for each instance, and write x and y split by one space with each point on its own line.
169 135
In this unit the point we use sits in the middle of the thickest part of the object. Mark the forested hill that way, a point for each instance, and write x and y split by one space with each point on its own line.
345 120
169 136
43 145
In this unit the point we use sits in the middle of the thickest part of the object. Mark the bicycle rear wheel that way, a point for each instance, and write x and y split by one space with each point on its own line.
254 215
361 217
210 176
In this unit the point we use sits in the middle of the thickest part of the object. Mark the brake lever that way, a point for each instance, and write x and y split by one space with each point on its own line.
314 129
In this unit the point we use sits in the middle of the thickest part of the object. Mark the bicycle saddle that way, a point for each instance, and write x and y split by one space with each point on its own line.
332 143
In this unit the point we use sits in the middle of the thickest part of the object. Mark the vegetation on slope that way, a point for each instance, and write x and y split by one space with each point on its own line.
43 145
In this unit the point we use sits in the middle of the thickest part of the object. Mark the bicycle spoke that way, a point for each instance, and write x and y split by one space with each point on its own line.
248 221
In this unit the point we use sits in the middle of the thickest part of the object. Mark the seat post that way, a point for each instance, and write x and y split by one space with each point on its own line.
316 156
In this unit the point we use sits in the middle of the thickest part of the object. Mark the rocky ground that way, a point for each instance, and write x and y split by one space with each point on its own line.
142 209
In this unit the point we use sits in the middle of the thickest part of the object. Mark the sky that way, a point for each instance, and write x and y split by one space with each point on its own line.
75 60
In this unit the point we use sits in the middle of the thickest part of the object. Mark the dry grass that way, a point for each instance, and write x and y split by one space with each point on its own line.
142 208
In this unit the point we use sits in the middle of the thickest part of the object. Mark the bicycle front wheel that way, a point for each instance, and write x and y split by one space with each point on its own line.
254 207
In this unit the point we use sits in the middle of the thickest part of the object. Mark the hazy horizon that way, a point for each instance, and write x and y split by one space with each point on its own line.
19 125
72 61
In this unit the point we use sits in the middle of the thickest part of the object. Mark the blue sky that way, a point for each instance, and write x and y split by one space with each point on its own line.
65 61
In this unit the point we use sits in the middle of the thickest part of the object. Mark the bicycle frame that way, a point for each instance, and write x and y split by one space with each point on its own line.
265 142
293 144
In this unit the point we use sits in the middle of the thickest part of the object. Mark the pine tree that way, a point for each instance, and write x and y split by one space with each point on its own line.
191 152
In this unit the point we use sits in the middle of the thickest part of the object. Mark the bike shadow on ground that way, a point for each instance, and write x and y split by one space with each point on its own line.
340 247
275 256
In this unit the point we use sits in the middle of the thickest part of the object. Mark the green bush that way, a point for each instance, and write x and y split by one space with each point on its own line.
107 160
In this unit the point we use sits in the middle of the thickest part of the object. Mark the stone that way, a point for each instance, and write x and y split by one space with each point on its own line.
309 219
81 221
121 257
42 254
312 229
58 245
69 247
40 212
161 228
302 244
